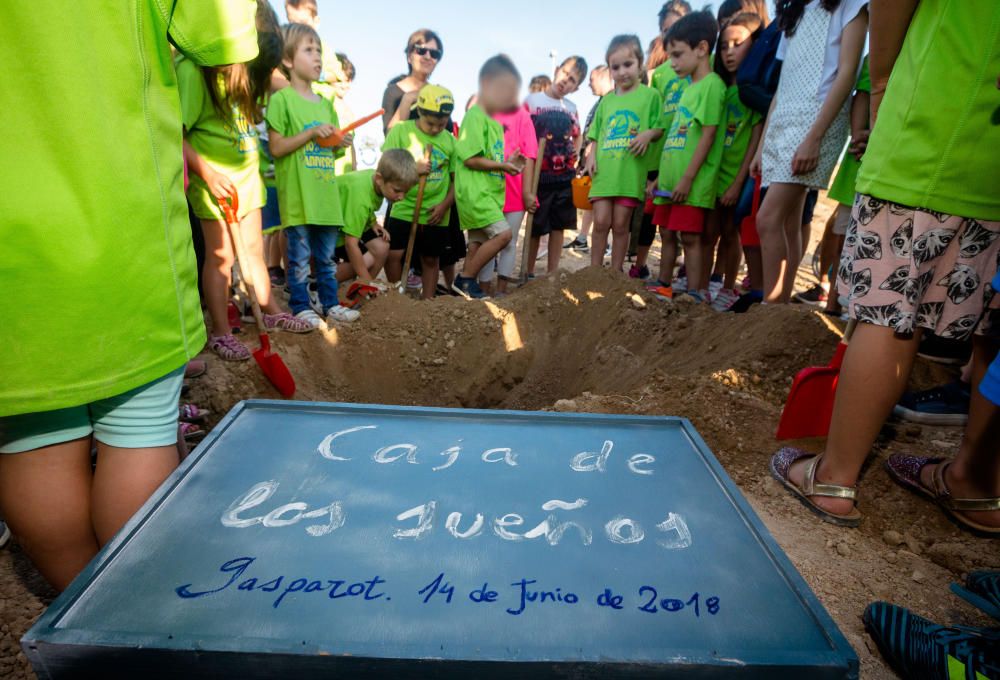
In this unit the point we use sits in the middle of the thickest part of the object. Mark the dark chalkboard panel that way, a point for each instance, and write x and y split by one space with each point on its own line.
303 539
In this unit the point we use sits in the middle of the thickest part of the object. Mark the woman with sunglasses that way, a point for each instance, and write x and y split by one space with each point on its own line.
423 52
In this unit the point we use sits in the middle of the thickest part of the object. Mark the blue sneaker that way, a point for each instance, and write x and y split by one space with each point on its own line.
468 288
944 405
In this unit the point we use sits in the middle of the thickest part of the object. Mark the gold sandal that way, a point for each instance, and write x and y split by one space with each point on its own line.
782 461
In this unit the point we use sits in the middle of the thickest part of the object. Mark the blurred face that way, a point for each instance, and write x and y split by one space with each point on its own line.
734 46
308 61
566 82
432 125
683 58
304 14
499 93
668 21
624 67
424 57
393 191
600 82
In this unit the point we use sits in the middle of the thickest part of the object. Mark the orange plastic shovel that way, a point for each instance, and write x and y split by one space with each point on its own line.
338 137
809 408
270 363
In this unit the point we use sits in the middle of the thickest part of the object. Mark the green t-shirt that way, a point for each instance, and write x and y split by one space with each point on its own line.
842 189
407 135
307 176
359 201
229 146
739 122
670 86
97 258
934 144
701 106
480 195
618 120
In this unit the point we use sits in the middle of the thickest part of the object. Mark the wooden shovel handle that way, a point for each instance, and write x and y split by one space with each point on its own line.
418 206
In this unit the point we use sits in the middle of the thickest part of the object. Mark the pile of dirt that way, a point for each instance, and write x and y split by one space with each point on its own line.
593 341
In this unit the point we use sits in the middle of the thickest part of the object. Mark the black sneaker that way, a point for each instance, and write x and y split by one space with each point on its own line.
277 275
918 648
746 301
581 245
468 288
575 244
816 295
944 350
944 405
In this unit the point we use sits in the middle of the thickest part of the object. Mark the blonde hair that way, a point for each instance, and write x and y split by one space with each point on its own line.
294 35
397 166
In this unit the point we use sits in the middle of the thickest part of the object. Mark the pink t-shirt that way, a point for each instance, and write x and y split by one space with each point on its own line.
518 133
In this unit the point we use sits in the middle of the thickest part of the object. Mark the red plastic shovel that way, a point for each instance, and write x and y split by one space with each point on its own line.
270 363
809 407
337 137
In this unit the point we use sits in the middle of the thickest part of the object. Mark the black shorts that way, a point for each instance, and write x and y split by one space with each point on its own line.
455 247
340 254
810 206
647 230
432 240
556 211
399 233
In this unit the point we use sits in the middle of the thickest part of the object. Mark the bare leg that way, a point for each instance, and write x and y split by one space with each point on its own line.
641 256
394 265
585 225
555 236
480 254
603 214
779 223
709 242
45 499
430 268
873 377
621 223
668 256
253 243
733 253
125 479
694 259
532 245
217 274
378 250
796 244
449 275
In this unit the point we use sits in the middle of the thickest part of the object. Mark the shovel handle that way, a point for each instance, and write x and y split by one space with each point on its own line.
230 208
417 207
530 220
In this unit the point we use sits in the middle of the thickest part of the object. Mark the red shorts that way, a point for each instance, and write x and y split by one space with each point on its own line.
649 208
748 233
618 200
686 218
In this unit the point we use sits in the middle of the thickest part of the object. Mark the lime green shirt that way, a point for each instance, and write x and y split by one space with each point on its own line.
97 258
934 144
739 123
229 146
843 188
480 195
307 176
407 135
670 86
701 106
359 200
619 119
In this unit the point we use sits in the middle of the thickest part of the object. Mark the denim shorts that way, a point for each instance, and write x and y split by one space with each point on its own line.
145 417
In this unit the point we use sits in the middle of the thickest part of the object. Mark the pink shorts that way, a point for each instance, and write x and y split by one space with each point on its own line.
619 200
686 218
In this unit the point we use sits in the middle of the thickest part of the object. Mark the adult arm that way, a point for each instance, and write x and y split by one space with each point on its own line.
890 19
402 112
860 130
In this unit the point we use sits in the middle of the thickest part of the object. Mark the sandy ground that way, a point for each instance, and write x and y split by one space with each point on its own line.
593 341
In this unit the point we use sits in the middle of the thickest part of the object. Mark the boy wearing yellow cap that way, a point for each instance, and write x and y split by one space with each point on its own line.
434 107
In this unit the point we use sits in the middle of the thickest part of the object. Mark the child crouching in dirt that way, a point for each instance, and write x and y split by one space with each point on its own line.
365 244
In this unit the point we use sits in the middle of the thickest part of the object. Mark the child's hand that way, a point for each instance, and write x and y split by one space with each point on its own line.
437 214
407 102
859 143
650 188
324 130
518 160
511 169
681 190
806 157
530 202
731 195
220 186
423 167
590 165
381 232
347 141
640 143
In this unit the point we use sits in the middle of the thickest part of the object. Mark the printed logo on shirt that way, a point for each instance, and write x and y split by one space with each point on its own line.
672 95
497 155
245 133
439 165
560 128
677 138
734 116
317 157
621 128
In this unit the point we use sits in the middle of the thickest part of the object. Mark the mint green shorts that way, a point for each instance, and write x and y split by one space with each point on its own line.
145 417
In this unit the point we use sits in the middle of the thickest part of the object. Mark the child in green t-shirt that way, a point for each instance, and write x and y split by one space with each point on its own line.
626 123
363 244
307 198
742 132
480 186
689 166
434 107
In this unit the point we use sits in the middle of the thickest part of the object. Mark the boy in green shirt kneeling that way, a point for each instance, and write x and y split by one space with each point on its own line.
480 185
363 244
434 107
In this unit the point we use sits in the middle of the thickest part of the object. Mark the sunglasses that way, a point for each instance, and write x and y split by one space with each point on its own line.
424 51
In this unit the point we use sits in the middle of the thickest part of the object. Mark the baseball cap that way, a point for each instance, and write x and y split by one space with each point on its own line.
435 99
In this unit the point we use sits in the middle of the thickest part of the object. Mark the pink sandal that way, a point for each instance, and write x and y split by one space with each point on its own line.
229 348
286 322
191 432
191 413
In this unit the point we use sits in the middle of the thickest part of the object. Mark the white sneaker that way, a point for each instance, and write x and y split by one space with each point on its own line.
310 316
342 314
680 285
314 297
713 288
724 299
